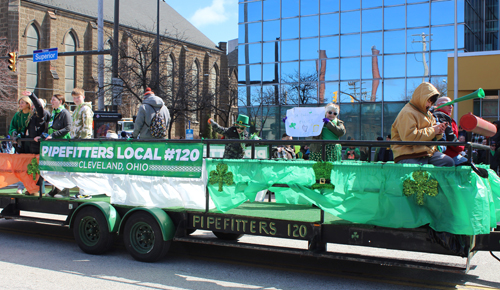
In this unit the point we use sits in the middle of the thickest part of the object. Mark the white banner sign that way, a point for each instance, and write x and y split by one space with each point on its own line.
304 122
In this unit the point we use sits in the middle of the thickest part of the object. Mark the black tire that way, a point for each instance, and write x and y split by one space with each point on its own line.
227 236
91 231
143 238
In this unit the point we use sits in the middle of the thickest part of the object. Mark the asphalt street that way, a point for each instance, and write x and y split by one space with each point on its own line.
38 256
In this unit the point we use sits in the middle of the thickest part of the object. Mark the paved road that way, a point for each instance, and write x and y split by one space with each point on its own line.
37 256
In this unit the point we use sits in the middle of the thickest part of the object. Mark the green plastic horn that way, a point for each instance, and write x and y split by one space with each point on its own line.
477 94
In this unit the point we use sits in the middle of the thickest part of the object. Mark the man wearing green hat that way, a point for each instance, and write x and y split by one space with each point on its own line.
237 131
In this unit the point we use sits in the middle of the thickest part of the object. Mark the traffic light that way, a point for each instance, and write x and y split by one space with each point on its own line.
12 60
335 96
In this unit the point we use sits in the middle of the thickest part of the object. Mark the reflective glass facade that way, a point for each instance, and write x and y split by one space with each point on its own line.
366 55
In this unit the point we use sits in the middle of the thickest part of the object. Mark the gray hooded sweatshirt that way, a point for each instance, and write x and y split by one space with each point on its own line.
146 114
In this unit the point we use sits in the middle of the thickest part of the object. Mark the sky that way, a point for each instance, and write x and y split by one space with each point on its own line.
217 19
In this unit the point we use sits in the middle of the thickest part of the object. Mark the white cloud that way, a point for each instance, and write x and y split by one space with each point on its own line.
213 14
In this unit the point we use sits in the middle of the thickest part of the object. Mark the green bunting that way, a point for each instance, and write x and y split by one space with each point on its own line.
420 185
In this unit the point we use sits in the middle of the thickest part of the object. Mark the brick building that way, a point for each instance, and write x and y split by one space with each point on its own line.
71 25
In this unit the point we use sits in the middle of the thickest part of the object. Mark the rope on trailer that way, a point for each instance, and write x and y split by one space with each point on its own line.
494 256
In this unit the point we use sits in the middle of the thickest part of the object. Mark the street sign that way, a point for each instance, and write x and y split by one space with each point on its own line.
45 54
189 134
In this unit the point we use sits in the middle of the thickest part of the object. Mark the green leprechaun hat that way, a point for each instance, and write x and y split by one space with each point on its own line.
322 171
242 120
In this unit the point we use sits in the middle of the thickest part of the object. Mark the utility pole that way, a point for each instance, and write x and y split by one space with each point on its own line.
361 94
424 50
100 58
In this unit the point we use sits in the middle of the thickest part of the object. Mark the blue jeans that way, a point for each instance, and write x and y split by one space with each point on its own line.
459 159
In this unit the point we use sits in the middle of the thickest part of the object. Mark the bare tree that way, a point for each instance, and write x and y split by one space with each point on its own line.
303 88
260 110
175 85
441 86
8 81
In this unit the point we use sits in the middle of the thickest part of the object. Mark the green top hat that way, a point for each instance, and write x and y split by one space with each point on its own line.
242 121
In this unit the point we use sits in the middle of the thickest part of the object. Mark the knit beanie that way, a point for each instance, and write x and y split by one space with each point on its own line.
148 91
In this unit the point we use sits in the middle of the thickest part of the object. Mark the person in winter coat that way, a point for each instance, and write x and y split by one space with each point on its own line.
332 130
150 105
82 117
237 131
443 115
58 128
60 120
415 123
39 121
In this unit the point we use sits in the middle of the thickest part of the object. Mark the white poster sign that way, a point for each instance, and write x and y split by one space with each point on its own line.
304 122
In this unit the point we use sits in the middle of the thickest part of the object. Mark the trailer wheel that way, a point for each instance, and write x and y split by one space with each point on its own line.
91 231
143 238
227 236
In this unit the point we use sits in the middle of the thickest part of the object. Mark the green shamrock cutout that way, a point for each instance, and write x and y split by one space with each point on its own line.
420 185
221 176
292 125
33 168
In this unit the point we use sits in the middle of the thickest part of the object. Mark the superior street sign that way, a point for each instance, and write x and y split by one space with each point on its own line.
45 54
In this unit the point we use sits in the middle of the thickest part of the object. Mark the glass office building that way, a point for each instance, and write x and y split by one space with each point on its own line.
366 55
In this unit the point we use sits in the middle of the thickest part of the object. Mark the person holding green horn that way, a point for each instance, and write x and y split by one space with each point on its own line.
237 131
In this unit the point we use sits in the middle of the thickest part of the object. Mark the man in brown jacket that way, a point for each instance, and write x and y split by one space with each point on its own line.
416 123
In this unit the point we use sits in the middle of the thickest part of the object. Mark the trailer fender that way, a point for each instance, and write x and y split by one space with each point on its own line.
164 221
107 210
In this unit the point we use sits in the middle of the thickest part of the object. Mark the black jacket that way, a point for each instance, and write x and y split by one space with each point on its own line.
38 123
61 124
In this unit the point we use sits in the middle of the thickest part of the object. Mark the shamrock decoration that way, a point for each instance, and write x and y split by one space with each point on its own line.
221 176
33 168
292 125
420 185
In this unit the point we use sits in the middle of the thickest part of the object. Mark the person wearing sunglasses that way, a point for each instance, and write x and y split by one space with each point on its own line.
237 131
332 130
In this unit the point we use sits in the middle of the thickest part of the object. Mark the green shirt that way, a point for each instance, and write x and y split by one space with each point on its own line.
327 134
19 123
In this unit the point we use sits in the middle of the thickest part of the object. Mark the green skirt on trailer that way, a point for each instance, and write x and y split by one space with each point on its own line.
449 199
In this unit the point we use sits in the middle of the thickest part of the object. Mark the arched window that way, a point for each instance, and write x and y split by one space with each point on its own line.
212 84
170 76
32 43
108 94
70 66
195 86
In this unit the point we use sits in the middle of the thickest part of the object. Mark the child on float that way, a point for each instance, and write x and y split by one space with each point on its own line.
332 130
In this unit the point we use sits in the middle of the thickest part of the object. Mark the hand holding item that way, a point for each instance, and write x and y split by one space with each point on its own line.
326 120
439 128
284 119
209 120
26 93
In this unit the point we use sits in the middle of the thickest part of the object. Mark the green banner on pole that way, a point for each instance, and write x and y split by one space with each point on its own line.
112 157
